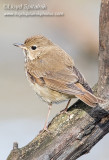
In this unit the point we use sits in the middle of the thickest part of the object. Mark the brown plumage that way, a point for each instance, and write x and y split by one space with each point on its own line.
52 73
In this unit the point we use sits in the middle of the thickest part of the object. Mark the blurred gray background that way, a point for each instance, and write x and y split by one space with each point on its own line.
22 113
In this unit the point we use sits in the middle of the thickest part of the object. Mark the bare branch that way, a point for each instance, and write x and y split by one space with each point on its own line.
67 138
103 83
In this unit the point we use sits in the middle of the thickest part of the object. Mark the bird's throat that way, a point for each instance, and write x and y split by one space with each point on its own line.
27 55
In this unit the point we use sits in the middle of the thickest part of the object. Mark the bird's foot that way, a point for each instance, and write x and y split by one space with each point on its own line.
65 112
45 129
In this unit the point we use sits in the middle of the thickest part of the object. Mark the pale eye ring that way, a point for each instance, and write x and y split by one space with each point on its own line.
33 47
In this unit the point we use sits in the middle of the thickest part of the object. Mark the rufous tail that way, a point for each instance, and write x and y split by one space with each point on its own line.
88 98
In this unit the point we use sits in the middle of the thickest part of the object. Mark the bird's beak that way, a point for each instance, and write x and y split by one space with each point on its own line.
20 45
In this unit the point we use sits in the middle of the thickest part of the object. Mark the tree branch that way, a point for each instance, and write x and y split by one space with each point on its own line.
70 137
103 83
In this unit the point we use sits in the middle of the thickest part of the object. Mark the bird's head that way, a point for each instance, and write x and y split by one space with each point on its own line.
33 46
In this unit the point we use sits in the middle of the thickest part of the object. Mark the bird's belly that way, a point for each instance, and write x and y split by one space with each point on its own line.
49 95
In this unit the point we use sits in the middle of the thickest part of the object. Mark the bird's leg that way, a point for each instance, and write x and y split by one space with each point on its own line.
67 105
65 110
49 109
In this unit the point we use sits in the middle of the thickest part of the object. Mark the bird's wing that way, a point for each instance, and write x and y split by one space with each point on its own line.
55 71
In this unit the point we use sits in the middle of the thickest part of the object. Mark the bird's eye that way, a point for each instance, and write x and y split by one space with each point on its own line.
33 47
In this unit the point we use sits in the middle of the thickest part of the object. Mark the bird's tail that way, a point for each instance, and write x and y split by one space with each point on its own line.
88 98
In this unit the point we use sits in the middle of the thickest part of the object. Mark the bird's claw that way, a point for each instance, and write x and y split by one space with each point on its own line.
45 129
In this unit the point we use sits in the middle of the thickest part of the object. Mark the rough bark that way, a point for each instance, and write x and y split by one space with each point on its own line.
69 137
103 83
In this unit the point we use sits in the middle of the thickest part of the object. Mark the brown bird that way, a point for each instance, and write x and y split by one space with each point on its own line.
53 75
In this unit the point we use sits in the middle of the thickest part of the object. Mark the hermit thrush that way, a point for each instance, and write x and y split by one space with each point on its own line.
53 75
